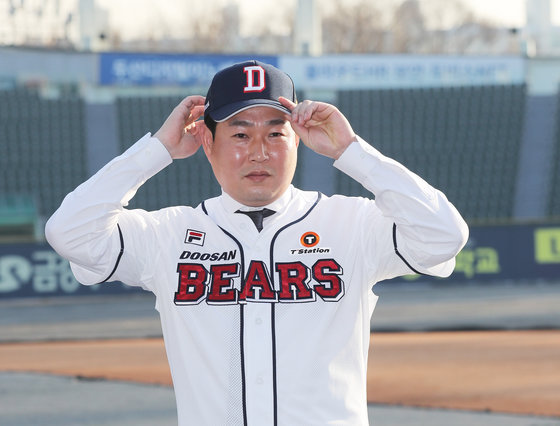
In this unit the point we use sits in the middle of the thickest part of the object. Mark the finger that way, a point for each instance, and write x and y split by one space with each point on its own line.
190 103
298 128
304 112
309 111
287 103
194 114
195 128
297 110
197 112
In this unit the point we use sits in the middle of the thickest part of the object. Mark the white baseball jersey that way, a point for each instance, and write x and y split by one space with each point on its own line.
268 328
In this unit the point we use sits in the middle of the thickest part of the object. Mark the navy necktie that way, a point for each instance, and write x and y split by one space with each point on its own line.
257 216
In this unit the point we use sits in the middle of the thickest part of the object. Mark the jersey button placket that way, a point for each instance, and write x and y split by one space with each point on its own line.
258 363
258 358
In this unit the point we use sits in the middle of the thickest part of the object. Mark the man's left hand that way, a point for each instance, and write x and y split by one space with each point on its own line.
321 126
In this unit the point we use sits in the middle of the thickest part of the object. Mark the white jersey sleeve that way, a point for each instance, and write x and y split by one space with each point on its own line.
85 228
427 230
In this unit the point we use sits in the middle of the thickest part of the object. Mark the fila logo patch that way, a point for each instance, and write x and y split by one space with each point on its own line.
255 79
195 237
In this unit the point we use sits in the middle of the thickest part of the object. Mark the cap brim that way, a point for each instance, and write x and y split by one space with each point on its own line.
226 112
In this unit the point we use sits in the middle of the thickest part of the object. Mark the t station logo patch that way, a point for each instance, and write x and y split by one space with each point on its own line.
309 241
195 237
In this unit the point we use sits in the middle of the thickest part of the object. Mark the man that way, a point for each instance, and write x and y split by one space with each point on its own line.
265 315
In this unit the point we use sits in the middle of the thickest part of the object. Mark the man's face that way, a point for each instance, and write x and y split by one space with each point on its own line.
254 155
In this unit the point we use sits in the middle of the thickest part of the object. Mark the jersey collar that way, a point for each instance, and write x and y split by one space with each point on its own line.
231 205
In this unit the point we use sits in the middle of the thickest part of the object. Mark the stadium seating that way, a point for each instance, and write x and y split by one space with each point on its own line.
18 218
179 184
43 146
463 140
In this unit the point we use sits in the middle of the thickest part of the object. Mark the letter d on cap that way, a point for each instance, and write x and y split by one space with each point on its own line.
255 79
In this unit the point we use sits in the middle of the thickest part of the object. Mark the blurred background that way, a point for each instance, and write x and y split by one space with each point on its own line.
463 92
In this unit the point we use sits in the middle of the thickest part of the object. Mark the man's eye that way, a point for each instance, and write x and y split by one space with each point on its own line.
276 134
240 136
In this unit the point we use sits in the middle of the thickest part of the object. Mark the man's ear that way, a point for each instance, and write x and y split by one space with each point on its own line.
207 141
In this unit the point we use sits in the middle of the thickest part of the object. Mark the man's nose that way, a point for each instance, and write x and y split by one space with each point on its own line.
258 150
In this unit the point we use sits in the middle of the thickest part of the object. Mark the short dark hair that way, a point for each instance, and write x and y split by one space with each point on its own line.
211 124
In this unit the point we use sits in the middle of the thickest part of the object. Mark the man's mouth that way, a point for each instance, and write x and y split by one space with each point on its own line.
257 176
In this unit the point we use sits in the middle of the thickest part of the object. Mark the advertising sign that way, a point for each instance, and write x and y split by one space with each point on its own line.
37 270
346 72
136 69
516 252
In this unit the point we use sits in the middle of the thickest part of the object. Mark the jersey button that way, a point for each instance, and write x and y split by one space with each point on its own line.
260 380
258 321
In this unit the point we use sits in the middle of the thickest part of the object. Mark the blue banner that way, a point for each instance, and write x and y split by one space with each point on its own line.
34 270
343 72
135 69
514 252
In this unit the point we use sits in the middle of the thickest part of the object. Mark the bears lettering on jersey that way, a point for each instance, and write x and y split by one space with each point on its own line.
296 283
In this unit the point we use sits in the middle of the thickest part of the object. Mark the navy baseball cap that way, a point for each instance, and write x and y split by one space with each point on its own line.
246 85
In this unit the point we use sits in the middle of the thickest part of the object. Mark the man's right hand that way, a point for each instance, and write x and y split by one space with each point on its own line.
181 133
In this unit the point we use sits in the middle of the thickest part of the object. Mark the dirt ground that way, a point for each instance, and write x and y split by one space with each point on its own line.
502 371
